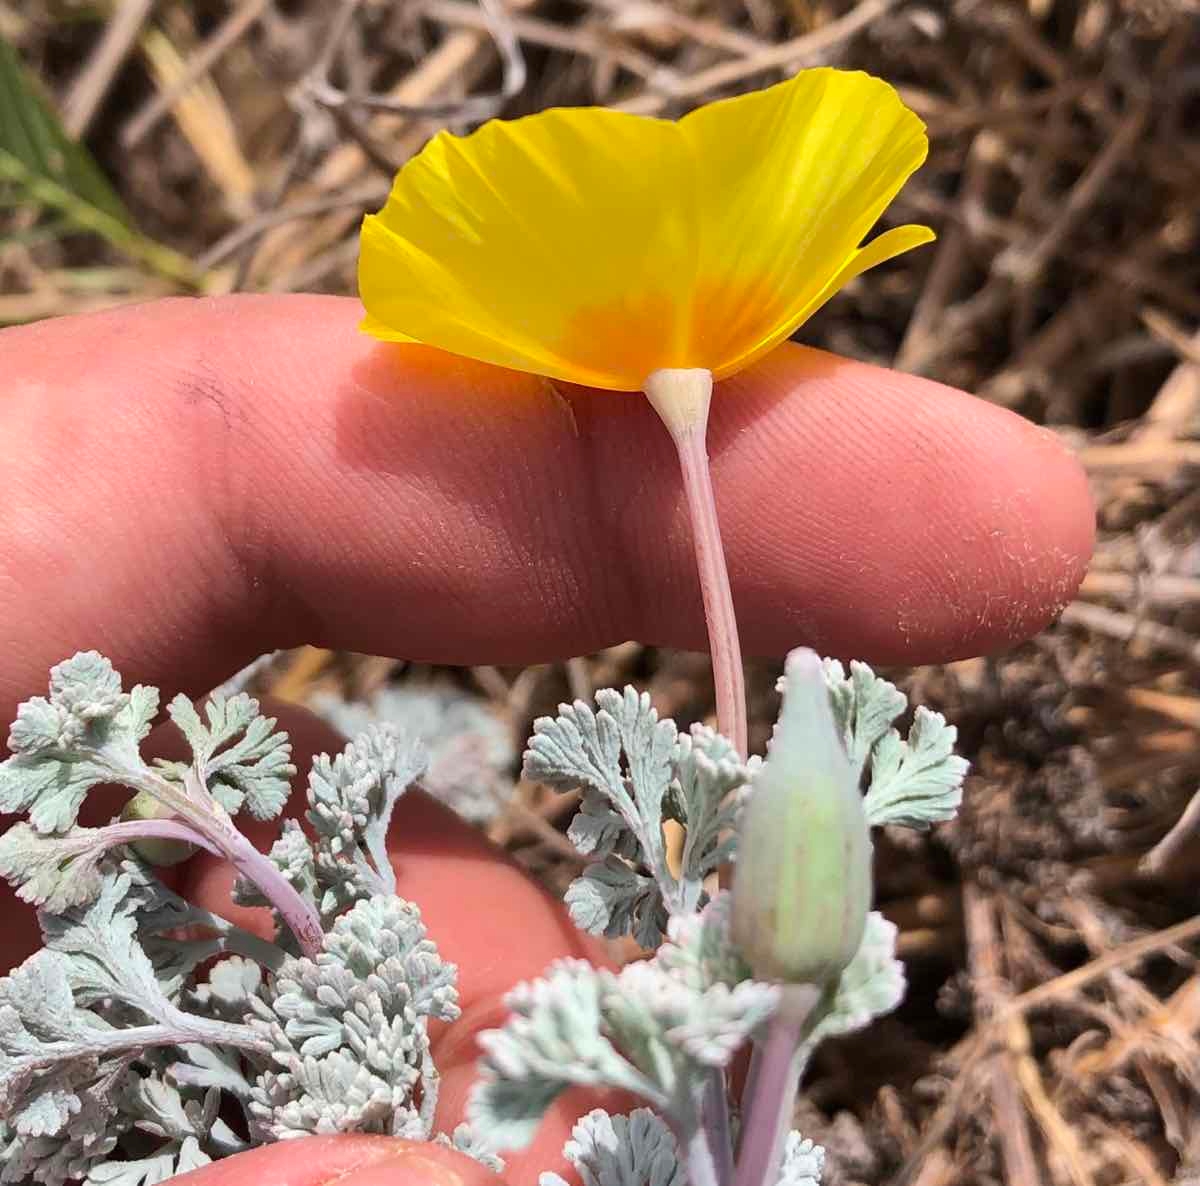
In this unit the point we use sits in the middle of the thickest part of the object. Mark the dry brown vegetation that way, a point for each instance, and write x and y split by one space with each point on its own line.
1053 1029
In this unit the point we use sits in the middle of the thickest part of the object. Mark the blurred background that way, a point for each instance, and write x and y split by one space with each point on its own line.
1052 1030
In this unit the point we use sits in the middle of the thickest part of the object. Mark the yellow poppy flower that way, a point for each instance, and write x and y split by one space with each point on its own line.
598 247
617 251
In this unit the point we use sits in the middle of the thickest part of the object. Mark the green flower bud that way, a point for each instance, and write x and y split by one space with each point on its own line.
802 884
157 852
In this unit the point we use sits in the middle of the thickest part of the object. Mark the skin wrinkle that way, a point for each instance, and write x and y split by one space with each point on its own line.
225 487
64 519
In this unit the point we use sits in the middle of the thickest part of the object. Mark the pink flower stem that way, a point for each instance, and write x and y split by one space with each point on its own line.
771 1095
681 398
723 641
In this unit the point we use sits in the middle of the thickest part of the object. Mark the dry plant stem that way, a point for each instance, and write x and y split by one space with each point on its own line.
992 993
771 1096
681 398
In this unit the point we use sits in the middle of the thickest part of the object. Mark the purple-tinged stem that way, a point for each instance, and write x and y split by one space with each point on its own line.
714 1115
681 398
698 1156
196 810
258 868
131 831
772 1097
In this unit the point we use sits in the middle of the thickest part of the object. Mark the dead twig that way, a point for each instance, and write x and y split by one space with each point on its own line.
992 993
788 55
87 92
1129 628
207 54
474 108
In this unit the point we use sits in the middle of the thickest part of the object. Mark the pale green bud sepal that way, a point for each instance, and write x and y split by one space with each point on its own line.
157 852
802 885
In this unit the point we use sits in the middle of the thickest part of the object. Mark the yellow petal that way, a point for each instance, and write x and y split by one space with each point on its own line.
597 247
794 177
382 331
880 249
559 244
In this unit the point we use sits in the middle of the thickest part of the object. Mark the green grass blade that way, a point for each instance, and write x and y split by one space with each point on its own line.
45 168
31 132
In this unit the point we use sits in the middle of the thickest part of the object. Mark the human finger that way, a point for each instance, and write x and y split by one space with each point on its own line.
189 483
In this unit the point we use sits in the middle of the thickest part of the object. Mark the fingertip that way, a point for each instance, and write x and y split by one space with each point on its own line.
907 522
421 1164
312 1161
350 1160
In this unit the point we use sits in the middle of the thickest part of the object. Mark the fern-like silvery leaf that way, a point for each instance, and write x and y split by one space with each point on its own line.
872 984
467 1140
634 1150
105 959
39 1017
619 750
708 773
53 872
351 798
700 951
636 771
554 1039
610 898
86 732
243 760
916 782
803 1162
349 1033
384 937
654 1030
177 1157
229 988
88 1136
864 706
160 1108
656 1020
470 749
598 830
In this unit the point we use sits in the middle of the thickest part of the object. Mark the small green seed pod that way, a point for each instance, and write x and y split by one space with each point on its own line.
802 884
160 853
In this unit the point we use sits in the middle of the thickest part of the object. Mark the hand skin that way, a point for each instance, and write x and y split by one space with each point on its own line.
191 483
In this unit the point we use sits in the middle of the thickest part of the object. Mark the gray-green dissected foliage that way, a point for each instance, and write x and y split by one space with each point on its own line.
636 772
243 760
130 1054
350 801
662 1028
119 1062
471 752
915 781
348 1031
